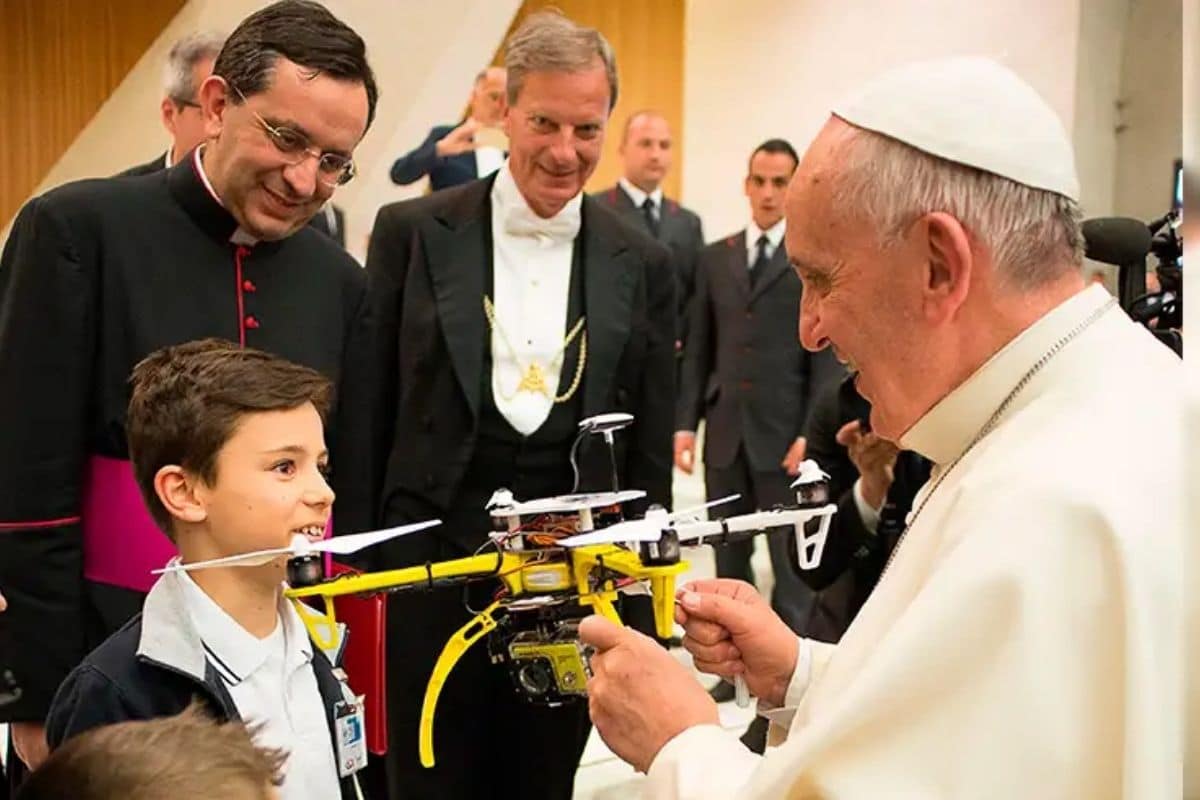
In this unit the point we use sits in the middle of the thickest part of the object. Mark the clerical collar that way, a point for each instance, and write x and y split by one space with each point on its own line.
518 220
638 196
946 430
191 188
239 236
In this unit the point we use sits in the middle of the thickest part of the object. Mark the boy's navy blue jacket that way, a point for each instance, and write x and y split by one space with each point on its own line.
154 667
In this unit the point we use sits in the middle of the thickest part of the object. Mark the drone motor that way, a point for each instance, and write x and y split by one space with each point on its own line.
662 552
306 570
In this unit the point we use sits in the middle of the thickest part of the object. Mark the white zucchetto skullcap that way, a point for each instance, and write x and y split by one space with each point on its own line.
971 111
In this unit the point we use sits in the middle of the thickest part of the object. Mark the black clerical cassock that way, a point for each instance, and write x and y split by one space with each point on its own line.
95 276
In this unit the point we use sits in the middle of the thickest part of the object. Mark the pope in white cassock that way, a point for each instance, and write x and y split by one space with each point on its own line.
1025 640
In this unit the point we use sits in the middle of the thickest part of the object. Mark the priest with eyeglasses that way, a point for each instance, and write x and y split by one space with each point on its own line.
96 274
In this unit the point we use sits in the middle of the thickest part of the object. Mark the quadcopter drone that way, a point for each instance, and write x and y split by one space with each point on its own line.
556 559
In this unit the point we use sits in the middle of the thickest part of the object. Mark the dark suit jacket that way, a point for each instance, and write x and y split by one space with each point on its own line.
743 367
156 164
427 267
443 172
679 229
854 558
339 220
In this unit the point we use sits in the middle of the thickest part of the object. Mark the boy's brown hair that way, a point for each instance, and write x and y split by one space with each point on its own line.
188 399
187 755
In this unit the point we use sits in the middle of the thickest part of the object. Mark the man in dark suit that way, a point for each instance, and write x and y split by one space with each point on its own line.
331 221
450 154
478 290
873 483
646 159
745 373
188 64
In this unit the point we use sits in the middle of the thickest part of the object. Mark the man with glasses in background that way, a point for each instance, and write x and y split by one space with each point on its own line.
97 274
189 63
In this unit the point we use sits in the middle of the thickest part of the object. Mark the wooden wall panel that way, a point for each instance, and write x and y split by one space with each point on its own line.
59 62
647 38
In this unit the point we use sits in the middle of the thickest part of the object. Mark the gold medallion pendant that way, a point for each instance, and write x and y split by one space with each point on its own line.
533 377
534 380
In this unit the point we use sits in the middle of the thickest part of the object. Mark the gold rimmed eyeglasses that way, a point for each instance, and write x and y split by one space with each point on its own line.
333 169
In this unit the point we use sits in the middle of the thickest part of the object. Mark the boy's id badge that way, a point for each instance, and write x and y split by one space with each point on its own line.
351 737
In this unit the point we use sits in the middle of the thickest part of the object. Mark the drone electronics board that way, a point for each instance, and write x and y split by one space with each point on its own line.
546 521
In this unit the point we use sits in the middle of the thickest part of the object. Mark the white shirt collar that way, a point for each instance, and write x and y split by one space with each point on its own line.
946 430
519 221
639 197
774 234
239 236
236 652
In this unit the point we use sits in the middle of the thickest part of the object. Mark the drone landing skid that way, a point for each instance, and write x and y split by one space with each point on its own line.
480 626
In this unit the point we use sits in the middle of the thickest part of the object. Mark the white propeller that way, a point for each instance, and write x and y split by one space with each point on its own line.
809 472
648 529
301 546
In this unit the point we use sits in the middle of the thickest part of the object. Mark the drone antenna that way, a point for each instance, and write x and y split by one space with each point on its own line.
579 437
612 459
606 424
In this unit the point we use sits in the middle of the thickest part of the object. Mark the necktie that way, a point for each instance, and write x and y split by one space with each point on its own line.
760 261
648 213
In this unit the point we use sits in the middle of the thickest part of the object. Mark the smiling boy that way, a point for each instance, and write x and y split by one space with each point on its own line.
228 451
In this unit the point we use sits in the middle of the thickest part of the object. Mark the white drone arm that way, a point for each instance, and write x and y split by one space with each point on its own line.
809 547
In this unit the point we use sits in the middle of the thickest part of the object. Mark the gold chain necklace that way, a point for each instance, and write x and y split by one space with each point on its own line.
533 377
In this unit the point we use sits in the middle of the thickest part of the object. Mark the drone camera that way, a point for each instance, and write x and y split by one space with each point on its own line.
546 661
547 672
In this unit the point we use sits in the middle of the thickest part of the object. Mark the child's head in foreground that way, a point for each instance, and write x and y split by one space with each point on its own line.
228 448
188 755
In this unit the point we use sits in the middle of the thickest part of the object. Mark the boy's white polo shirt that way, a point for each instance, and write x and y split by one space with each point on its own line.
273 685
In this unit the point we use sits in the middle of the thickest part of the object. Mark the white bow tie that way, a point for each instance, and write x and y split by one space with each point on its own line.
519 220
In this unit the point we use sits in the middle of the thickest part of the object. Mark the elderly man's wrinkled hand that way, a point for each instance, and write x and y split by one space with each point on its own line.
731 630
639 696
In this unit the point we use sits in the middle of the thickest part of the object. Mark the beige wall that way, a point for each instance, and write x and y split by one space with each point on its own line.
424 74
762 68
1151 103
1102 35
1128 109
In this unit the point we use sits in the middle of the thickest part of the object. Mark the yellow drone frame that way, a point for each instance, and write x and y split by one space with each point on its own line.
524 573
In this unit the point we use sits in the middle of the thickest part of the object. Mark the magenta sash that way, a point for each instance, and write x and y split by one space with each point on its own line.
121 543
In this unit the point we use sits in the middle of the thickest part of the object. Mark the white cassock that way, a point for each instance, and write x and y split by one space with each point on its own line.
1025 641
